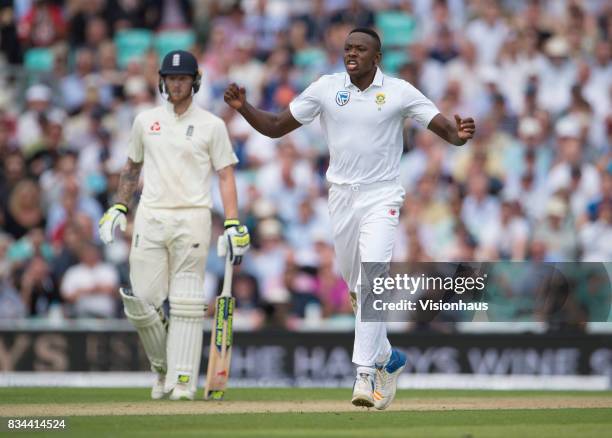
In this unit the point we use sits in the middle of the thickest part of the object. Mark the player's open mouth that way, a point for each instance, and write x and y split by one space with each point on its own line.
351 65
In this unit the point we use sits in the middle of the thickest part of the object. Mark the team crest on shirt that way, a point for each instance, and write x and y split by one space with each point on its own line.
342 97
155 129
380 100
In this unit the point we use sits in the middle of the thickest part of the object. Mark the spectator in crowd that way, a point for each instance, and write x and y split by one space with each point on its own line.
556 77
488 32
170 15
7 143
81 14
556 230
130 14
480 210
73 202
5 263
572 172
42 25
269 262
74 86
529 153
41 156
11 306
443 49
24 210
331 290
90 287
248 311
32 244
286 180
10 47
29 124
264 27
597 236
508 238
317 20
300 279
307 223
38 288
246 69
13 172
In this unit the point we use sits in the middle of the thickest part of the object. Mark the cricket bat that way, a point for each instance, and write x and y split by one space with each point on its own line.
221 336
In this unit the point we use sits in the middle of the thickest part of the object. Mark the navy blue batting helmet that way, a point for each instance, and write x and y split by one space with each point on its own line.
180 62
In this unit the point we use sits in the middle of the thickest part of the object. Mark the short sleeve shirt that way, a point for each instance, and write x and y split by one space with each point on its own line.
364 129
179 154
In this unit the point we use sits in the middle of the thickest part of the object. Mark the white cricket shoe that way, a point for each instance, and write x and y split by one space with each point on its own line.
362 390
182 392
386 379
157 392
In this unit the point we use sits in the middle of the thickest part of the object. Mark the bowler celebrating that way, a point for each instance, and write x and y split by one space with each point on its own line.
362 113
179 145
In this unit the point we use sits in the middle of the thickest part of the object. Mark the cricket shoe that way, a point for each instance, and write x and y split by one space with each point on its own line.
386 379
182 392
158 392
362 390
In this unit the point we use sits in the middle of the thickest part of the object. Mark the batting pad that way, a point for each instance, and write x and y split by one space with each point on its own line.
187 308
152 328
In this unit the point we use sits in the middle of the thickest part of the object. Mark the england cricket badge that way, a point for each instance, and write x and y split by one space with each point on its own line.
342 97
189 132
380 100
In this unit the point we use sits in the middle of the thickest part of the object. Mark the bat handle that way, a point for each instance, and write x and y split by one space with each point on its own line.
227 277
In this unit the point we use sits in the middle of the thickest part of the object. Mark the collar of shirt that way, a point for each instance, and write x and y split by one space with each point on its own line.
170 109
377 82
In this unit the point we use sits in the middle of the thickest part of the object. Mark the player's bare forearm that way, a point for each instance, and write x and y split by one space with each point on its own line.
269 124
457 133
227 187
128 182
446 130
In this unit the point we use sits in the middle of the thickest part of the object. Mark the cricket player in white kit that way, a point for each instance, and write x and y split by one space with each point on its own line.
362 114
179 145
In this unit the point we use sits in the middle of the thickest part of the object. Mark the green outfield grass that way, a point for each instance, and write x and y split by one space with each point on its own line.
540 423
103 395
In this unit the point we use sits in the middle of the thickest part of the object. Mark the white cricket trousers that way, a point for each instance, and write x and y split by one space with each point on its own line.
364 220
167 242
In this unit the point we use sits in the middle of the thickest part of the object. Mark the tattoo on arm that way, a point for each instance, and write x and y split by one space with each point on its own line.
128 182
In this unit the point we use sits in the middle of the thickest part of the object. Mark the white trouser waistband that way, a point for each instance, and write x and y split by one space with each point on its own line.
366 187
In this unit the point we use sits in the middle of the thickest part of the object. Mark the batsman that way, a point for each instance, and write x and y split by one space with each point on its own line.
178 145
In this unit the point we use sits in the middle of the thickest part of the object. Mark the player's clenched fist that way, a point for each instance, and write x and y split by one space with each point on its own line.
235 96
116 215
465 127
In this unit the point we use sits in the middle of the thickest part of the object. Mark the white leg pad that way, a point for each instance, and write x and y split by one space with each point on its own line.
152 328
187 309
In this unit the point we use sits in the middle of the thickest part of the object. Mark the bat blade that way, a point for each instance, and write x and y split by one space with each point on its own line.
221 339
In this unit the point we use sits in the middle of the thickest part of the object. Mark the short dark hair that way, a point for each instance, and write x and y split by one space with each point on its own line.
370 32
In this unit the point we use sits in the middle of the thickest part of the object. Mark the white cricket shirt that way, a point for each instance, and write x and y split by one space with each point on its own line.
179 153
362 128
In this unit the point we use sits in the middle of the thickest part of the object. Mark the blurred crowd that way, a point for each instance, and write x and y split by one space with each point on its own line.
535 184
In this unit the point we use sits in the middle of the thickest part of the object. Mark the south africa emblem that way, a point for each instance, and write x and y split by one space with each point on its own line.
342 97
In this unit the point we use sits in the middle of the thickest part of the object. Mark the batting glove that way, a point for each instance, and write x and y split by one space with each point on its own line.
116 215
237 238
